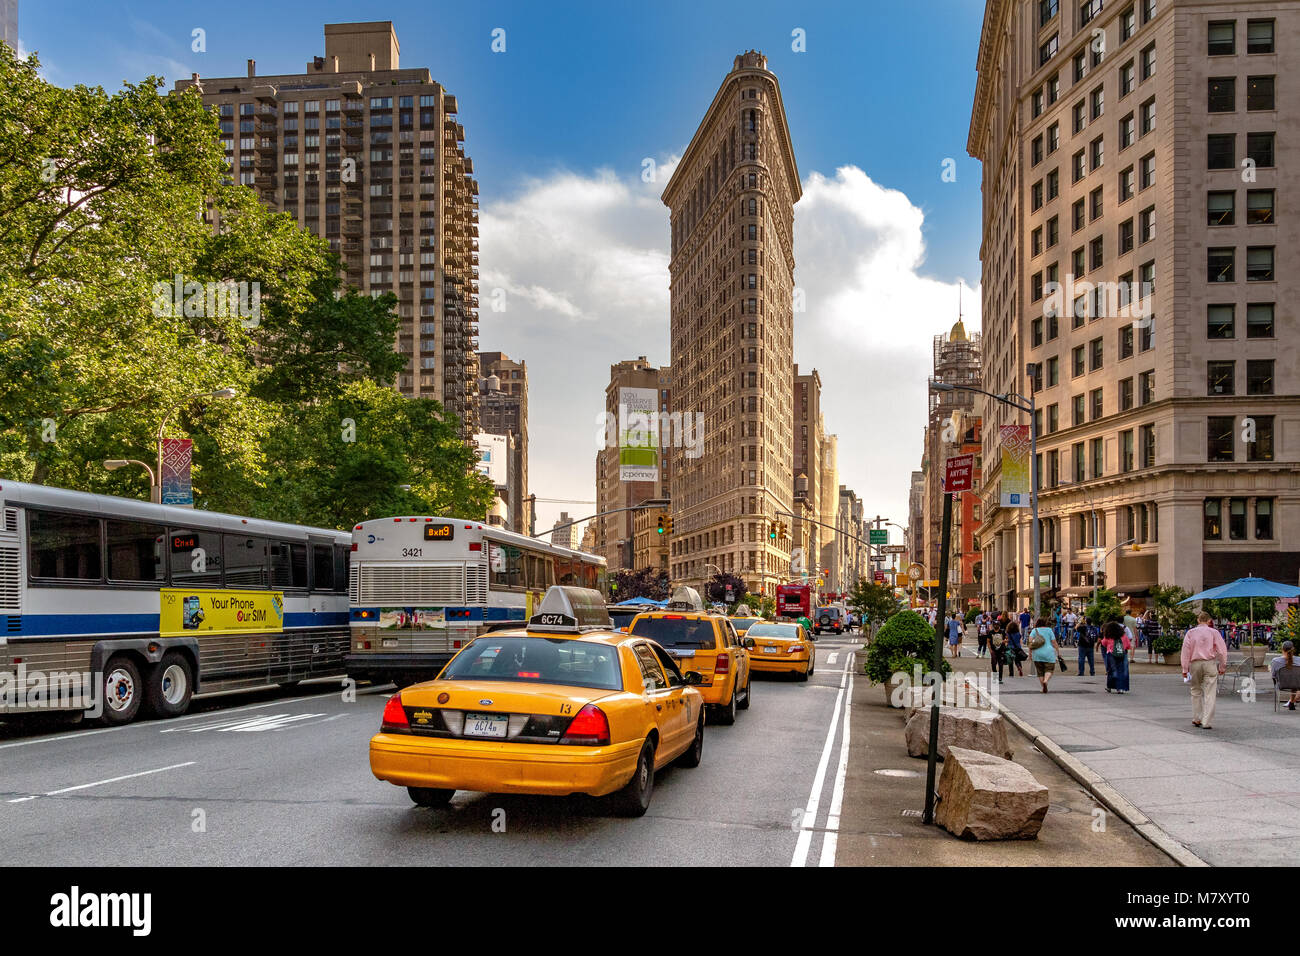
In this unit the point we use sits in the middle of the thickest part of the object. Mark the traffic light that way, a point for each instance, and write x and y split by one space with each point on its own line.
771 531
661 524
781 530
669 525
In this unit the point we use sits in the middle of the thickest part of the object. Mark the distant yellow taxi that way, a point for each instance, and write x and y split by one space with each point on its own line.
702 643
785 648
564 706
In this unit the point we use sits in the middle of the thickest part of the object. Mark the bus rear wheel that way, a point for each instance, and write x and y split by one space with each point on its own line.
170 685
123 691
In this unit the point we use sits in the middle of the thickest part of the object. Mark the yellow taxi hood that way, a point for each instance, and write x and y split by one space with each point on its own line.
504 696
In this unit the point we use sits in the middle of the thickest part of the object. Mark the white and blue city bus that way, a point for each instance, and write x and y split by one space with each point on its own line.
108 605
421 587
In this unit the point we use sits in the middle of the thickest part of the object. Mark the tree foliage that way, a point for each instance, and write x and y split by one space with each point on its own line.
647 583
874 602
716 588
1170 616
1105 607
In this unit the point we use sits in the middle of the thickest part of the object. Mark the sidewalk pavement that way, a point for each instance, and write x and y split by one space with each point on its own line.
1230 795
880 823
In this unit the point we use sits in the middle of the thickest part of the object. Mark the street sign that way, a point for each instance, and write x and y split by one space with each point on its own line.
958 473
915 572
878 536
894 549
930 584
880 577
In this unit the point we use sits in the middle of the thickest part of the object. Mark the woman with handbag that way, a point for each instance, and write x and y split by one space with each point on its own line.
1044 650
1116 644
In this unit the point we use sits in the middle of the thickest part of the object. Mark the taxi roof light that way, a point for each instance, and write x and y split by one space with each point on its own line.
589 726
688 599
394 715
570 610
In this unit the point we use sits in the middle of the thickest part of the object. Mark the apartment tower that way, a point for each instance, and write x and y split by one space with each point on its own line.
372 158
1132 155
732 202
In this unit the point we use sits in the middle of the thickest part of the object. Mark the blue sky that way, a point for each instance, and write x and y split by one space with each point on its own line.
585 91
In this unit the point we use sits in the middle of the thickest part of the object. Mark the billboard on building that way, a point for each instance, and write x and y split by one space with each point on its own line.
494 460
638 434
1015 466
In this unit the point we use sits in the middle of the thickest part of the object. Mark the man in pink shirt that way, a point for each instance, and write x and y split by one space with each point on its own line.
1204 658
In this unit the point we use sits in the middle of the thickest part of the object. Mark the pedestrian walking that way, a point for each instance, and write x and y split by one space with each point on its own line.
1024 621
954 634
1287 659
999 654
1116 643
1204 658
1044 650
982 634
1015 652
1083 637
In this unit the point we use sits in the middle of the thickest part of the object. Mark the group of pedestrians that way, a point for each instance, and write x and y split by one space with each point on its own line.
1008 640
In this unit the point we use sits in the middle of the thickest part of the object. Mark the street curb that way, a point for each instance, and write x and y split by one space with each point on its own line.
1101 791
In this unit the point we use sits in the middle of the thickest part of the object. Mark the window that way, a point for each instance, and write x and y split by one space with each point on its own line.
1223 35
1036 151
1097 453
1127 24
1080 65
1053 184
1126 185
1261 449
1147 387
1259 207
1036 103
1053 418
1221 378
1080 465
1053 138
1080 266
1127 132
288 565
1054 88
1048 49
1097 405
1148 116
63 546
1077 357
1053 468
1219 438
1125 394
1259 320
184 546
1125 342
1094 354
1088 9
1053 325
1053 231
1222 92
1264 517
1259 376
1147 278
1237 519
1259 147
246 561
1053 371
1096 250
1079 168
1094 204
1221 322
1146 333
1080 116
135 551
1220 149
1077 415
1036 241
1036 286
1148 166
1259 264
1220 264
1098 101
1036 333
1149 62
322 567
1259 93
1126 236
1147 447
1147 224
1036 195
1097 150
1126 458
1079 215
1259 36
1213 524
1127 79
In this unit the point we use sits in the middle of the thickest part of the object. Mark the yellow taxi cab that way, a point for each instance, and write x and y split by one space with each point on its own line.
782 647
565 705
702 643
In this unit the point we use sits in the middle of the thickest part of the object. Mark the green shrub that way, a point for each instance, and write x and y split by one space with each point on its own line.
904 641
972 613
1168 644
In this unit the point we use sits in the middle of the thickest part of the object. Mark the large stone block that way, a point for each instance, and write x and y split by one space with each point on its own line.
983 797
982 730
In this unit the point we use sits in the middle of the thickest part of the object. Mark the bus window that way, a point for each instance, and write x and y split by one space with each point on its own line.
288 565
507 564
322 567
245 560
602 583
565 572
538 566
588 574
195 557
342 557
135 551
63 546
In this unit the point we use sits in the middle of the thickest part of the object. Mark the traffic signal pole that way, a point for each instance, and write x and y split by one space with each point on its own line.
939 623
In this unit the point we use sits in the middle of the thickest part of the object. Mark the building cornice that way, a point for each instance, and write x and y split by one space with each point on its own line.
995 12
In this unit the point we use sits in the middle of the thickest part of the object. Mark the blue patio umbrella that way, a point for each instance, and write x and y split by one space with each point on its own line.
1247 587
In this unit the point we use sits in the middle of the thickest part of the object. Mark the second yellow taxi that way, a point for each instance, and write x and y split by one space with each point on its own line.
782 647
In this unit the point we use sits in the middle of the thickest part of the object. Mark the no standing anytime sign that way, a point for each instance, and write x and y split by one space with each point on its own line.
958 474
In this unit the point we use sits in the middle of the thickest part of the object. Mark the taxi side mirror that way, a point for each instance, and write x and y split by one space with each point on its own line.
692 679
747 643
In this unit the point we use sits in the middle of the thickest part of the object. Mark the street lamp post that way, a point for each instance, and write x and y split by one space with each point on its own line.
155 490
113 464
1017 401
1103 564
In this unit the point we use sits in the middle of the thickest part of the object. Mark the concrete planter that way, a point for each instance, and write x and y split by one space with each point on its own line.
891 696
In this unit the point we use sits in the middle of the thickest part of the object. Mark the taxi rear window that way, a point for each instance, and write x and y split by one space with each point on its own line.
537 660
676 631
783 631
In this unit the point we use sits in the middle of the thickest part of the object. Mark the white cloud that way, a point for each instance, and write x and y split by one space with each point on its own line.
583 260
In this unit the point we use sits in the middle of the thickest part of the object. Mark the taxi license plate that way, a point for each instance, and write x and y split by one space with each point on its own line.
485 725
771 650
390 642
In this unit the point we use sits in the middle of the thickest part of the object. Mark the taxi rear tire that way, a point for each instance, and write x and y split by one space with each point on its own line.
749 693
803 675
428 797
693 754
726 713
634 799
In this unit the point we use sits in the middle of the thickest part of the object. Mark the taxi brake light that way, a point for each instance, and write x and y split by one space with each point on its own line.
589 726
530 674
723 665
674 617
394 715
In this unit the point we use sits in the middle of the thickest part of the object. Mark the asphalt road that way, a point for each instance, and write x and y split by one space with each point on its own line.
272 778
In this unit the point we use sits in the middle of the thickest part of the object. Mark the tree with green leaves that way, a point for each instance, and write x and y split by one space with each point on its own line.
1165 601
874 602
1105 607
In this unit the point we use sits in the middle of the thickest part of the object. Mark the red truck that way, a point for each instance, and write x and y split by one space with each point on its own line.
794 601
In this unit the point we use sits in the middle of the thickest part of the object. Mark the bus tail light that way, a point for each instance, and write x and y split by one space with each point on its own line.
354 546
590 727
723 666
394 716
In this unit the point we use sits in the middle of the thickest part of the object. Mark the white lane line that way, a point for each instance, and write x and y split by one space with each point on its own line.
830 658
100 783
804 842
837 796
108 730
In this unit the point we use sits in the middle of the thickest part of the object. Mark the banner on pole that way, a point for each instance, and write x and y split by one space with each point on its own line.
1015 466
177 458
